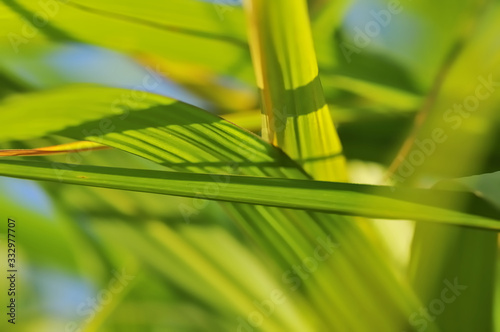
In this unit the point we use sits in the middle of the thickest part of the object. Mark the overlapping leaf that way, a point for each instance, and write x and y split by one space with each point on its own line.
185 138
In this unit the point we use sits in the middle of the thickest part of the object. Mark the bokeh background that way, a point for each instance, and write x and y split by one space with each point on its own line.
144 257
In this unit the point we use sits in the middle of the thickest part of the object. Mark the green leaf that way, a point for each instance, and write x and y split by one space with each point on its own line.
296 119
184 138
296 116
175 30
286 193
444 252
187 138
486 186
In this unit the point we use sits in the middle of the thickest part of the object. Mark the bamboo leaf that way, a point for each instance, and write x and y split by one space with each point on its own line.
183 26
187 139
296 116
286 193
486 186
161 129
470 256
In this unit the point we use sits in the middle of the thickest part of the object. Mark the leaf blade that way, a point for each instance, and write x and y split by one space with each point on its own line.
295 115
286 193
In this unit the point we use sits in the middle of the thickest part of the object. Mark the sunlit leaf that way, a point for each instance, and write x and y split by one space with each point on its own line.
287 193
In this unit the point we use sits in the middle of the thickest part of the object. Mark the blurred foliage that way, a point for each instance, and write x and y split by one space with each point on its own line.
411 86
